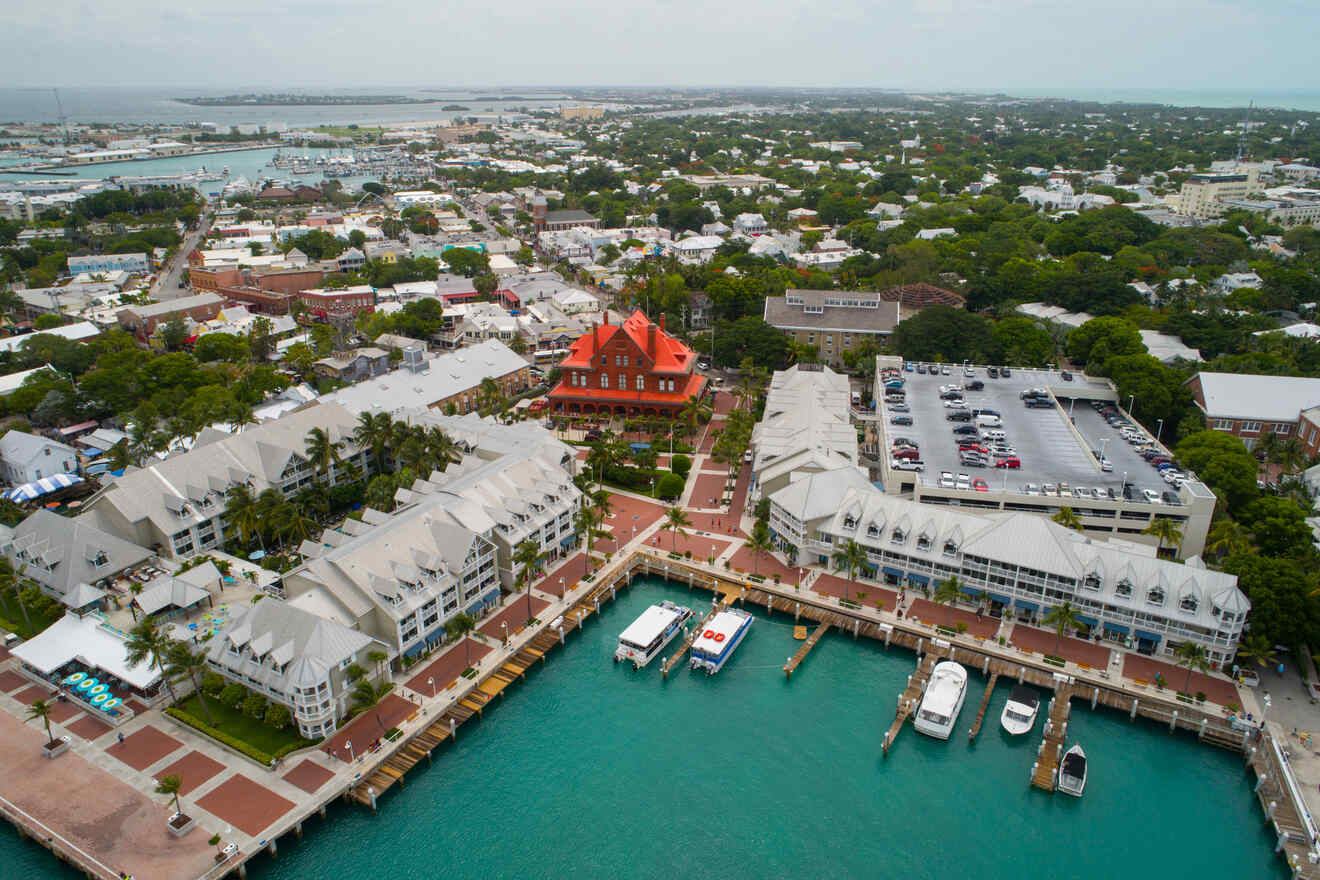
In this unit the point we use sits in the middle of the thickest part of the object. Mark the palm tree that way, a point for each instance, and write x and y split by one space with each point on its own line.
40 709
1068 519
365 694
528 555
1061 617
442 447
850 557
373 432
1166 531
147 641
948 592
1227 537
694 409
241 416
457 627
121 455
759 543
1256 646
676 523
183 663
321 451
1292 455
170 786
12 582
242 513
1193 656
378 657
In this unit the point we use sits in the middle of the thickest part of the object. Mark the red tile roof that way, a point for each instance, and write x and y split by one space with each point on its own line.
670 356
563 393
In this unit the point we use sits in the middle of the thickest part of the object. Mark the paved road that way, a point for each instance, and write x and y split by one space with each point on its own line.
167 281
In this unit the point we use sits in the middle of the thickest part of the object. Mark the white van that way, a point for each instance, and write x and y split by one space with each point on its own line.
993 435
984 421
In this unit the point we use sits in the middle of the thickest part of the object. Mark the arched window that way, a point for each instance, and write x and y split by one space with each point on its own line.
1124 588
1091 581
1155 596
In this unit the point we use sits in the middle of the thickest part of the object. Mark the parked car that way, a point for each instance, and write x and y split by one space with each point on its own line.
1049 489
1011 463
964 481
972 446
906 452
901 420
969 372
1150 496
908 464
945 371
980 485
898 407
976 385
907 366
1030 488
1065 375
946 480
1005 372
903 441
959 415
954 404
992 372
593 435
921 368
1106 465
967 429
1168 496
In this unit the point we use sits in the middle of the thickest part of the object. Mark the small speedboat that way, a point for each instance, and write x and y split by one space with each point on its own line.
1019 714
1072 772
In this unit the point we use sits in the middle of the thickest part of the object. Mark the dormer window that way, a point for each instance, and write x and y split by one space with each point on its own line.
923 542
1124 588
1155 596
850 522
950 548
897 536
1091 581
1187 603
872 531
1214 611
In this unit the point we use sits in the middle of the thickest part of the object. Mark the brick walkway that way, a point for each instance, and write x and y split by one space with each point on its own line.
309 776
145 747
514 614
368 727
833 585
765 564
1144 668
572 570
11 681
698 545
941 615
708 490
246 805
193 769
89 728
1040 641
449 666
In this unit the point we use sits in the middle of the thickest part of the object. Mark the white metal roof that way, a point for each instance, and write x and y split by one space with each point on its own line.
86 640
1265 398
646 628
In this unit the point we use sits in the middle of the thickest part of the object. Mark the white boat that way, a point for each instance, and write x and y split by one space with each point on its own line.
1072 772
646 636
943 700
715 644
1019 714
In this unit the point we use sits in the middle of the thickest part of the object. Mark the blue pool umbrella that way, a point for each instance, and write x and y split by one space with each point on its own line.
44 486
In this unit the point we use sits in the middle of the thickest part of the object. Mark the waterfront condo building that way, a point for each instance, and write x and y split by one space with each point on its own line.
631 369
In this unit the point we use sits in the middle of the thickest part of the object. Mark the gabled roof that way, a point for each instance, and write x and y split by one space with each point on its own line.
74 545
670 355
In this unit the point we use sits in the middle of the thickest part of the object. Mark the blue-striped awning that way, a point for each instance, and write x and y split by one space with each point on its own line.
892 572
1000 598
569 539
1025 605
919 578
1085 621
1148 636
971 591
1115 628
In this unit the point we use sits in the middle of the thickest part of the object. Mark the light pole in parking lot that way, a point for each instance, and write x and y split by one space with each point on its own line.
1159 429
1132 399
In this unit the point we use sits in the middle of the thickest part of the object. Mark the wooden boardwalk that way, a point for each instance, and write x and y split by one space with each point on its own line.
691 637
985 704
796 660
1043 772
911 697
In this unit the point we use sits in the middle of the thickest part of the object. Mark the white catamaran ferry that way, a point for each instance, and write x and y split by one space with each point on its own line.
714 645
646 636
942 701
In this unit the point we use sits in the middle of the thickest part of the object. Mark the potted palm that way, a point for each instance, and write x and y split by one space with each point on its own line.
52 748
179 823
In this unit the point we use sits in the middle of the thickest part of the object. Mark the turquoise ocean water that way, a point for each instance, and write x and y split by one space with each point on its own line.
595 770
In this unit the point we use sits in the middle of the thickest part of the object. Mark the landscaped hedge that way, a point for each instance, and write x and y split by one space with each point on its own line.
238 745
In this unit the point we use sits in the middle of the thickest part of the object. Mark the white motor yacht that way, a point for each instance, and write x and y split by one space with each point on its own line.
1072 772
943 700
647 636
1019 714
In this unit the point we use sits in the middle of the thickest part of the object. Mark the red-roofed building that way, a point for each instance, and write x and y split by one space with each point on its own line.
633 368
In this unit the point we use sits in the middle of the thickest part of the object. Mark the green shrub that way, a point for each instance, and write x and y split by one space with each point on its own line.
254 705
233 695
277 716
220 736
680 464
669 487
212 684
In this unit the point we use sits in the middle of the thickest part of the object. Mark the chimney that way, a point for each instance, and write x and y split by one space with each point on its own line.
650 340
662 320
595 338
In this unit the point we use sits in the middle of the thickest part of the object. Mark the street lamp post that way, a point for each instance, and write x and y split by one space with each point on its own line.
351 755
1132 400
1159 430
504 625
430 679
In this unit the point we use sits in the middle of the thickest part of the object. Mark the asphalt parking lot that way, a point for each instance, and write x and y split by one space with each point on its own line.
1049 449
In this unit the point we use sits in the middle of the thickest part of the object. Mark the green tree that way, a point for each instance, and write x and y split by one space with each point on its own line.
40 711
1165 531
1020 341
1068 518
181 663
170 786
1223 463
851 557
321 451
676 523
1191 655
173 333
147 641
1062 618
1099 339
1255 649
943 333
457 627
759 543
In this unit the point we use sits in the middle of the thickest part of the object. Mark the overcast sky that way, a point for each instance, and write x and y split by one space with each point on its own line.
918 44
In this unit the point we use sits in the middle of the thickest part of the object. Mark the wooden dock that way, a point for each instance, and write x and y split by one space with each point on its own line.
910 698
802 652
691 637
985 704
1044 771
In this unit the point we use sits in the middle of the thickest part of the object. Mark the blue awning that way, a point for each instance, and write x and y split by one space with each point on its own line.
1150 637
1025 605
1085 621
92 452
892 572
570 539
44 486
1115 628
972 591
919 578
1001 599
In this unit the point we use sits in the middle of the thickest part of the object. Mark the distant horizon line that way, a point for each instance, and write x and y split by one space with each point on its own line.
924 90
